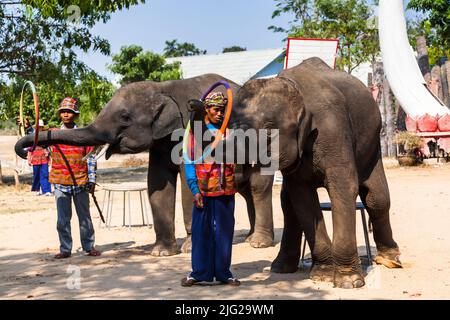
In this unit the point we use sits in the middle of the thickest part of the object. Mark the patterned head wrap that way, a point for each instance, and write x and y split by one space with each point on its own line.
215 99
69 104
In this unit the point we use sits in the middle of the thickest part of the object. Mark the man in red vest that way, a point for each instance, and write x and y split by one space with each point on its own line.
73 179
213 186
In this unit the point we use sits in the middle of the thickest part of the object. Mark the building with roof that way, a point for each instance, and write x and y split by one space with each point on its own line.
244 65
237 66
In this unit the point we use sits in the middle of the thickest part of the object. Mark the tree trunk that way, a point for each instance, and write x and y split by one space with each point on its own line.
390 122
349 54
370 79
436 85
378 79
16 173
445 85
401 117
447 71
424 63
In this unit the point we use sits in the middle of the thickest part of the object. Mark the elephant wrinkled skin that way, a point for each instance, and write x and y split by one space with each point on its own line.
329 128
141 116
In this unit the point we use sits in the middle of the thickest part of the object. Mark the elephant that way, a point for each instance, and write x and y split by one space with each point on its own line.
329 136
142 116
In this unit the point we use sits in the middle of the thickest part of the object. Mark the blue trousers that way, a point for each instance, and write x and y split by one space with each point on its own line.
64 208
212 239
40 178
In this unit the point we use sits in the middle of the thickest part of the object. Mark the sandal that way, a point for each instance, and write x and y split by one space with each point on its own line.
93 253
62 255
232 282
188 281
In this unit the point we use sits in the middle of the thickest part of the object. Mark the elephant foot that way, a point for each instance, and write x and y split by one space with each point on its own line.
162 249
249 236
258 240
283 264
322 272
186 247
389 257
348 277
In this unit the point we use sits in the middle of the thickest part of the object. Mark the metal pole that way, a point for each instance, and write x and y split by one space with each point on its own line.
109 208
1 176
103 209
366 236
142 207
123 216
304 248
129 209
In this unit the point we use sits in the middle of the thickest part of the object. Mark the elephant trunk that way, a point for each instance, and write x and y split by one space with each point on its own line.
88 136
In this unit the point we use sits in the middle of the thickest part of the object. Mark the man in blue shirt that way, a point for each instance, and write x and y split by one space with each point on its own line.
213 187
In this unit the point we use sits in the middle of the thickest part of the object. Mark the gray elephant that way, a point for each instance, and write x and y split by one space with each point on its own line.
141 116
329 128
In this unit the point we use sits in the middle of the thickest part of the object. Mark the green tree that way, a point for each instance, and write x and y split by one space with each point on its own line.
134 64
91 90
351 21
175 49
233 49
35 34
434 24
437 18
38 40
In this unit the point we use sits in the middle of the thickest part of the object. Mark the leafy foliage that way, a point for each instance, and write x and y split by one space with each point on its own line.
438 18
91 91
351 21
233 49
38 40
36 34
434 24
175 49
409 140
135 64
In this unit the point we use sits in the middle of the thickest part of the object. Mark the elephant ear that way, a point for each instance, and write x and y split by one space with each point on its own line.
167 117
304 129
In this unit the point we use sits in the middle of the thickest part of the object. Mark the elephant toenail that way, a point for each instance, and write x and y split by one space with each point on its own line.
358 284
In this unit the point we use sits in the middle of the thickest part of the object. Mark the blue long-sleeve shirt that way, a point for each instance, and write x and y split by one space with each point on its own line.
189 168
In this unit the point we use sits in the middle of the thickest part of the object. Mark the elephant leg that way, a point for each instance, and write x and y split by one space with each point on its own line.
374 193
187 201
306 205
289 254
247 195
342 185
261 192
161 187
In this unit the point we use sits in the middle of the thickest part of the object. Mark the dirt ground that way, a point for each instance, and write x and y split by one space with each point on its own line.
420 211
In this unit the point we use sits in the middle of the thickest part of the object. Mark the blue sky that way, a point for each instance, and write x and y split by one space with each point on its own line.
210 24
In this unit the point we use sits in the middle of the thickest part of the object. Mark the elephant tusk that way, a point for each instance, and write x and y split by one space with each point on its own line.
98 151
89 153
102 152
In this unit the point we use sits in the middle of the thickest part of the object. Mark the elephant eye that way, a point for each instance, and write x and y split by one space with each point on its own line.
125 117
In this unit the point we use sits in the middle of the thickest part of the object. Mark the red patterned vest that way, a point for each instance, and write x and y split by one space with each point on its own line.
38 156
216 179
60 173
